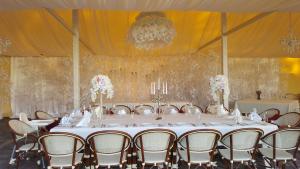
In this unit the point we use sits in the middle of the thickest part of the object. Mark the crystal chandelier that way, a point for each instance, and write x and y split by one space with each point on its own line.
151 30
4 44
290 43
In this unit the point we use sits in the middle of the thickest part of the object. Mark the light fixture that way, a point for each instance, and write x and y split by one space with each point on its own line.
151 30
290 42
4 44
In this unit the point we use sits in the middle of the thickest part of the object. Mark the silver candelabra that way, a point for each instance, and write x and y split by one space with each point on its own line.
158 95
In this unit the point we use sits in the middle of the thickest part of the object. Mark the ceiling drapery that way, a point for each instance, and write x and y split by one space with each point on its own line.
155 5
38 33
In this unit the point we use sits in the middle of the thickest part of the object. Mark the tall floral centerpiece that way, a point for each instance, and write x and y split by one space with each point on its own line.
218 87
101 85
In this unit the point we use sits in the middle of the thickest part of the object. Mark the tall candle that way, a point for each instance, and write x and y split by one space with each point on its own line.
163 87
151 88
154 87
166 87
158 85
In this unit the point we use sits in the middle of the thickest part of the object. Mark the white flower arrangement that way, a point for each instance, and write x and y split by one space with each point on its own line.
218 84
101 84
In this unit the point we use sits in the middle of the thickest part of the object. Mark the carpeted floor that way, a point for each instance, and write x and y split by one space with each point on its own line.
6 147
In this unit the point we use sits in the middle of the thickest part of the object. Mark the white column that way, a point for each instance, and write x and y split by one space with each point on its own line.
224 52
76 65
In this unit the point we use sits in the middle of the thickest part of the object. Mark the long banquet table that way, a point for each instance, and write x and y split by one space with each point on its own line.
178 123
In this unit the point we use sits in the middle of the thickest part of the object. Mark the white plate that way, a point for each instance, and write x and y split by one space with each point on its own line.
113 125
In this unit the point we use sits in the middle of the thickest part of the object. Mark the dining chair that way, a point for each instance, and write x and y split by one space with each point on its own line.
144 109
24 139
120 110
241 146
62 150
168 109
290 119
109 147
191 109
154 146
198 146
41 115
280 142
24 118
270 114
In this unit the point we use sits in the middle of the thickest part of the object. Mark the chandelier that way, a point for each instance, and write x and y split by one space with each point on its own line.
151 30
290 43
4 44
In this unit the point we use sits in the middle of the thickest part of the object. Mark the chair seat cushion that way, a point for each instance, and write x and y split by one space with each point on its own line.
194 157
157 157
280 154
237 155
65 161
110 160
27 147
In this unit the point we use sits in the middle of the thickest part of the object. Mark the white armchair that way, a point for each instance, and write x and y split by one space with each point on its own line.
198 146
109 147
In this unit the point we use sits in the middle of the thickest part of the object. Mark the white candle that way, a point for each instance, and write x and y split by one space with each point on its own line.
151 89
163 87
158 85
166 87
154 88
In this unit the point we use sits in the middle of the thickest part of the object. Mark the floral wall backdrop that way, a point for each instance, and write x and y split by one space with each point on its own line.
45 83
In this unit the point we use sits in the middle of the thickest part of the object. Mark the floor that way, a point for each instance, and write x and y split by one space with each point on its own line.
6 146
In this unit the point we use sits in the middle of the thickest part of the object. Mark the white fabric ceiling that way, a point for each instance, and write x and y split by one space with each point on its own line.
151 5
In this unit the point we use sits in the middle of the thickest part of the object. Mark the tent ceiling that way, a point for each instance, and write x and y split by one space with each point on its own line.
37 32
146 5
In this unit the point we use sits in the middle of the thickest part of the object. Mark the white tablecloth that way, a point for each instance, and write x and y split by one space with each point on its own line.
284 105
178 123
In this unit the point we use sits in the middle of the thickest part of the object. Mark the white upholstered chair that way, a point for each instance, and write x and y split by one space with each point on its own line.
110 148
241 145
41 115
270 114
291 119
24 138
154 146
62 149
198 146
120 110
144 109
280 142
168 109
191 109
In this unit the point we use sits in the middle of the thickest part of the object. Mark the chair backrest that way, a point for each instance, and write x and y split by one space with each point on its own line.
270 114
109 141
20 128
61 144
200 140
43 115
154 141
244 139
191 109
168 109
23 117
144 109
291 119
120 110
284 139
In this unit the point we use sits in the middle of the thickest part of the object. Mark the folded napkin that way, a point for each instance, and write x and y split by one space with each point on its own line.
147 112
85 121
122 112
238 115
254 116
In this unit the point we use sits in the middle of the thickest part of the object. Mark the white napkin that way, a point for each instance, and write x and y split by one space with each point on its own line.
173 111
254 116
65 120
147 112
238 115
122 112
84 122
